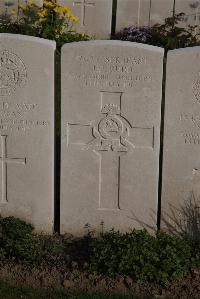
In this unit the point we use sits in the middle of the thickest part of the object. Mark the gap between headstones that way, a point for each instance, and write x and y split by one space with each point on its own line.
161 142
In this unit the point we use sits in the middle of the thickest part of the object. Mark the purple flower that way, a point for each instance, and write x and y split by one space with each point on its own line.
137 34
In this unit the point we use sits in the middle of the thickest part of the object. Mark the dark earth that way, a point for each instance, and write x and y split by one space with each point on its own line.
75 279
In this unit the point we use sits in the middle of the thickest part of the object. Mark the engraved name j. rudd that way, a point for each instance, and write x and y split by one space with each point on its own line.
112 137
12 73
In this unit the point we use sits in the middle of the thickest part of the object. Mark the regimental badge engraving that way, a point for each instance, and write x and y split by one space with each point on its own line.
113 130
13 73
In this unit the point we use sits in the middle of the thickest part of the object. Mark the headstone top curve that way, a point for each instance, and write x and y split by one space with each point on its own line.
113 43
28 38
184 50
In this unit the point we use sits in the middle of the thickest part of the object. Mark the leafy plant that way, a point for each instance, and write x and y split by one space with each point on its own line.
174 257
2 254
18 242
160 258
168 35
51 21
171 36
16 239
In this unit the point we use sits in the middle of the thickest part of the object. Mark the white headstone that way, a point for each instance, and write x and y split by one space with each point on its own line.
7 7
27 129
111 102
181 161
142 12
10 8
94 16
191 8
160 10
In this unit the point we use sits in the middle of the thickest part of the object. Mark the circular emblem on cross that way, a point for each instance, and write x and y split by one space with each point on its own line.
111 127
12 73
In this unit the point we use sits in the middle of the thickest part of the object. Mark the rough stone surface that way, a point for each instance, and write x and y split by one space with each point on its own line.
7 6
160 10
181 161
111 102
27 129
142 12
191 8
95 16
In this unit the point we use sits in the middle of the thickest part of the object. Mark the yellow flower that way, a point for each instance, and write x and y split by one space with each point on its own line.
22 6
13 12
42 13
66 10
30 3
49 4
74 19
58 9
63 11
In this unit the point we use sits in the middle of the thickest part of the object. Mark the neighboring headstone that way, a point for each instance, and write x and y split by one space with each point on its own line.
27 129
95 17
160 10
191 8
142 12
111 102
10 8
181 160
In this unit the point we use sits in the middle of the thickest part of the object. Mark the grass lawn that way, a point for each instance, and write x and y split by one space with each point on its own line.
13 292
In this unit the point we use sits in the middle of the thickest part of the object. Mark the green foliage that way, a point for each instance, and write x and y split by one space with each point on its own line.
174 257
2 254
17 242
170 36
51 21
14 228
16 239
160 258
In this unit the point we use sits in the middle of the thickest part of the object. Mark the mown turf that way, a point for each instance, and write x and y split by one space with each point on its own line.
13 292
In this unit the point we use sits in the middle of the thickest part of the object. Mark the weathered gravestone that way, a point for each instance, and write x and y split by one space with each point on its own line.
181 161
111 101
27 129
6 8
191 9
9 8
142 12
94 16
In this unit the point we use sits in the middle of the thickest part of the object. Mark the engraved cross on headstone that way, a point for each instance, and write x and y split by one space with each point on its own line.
84 4
4 161
111 138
